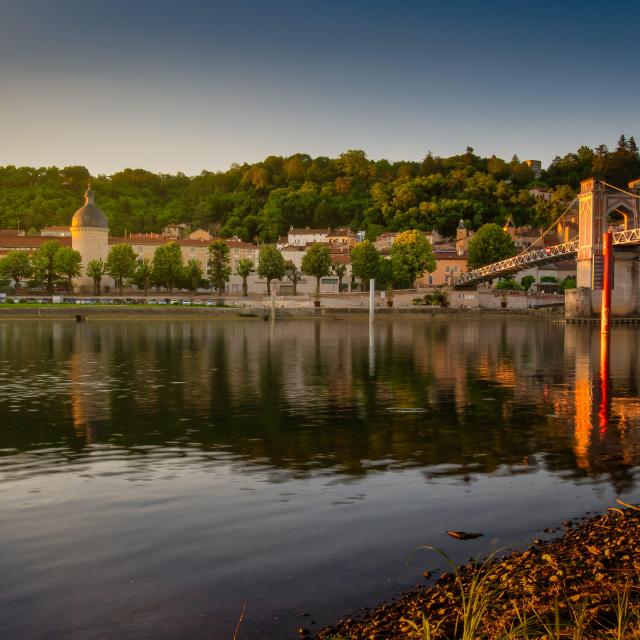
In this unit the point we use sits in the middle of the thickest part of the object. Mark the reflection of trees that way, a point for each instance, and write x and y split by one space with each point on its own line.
300 395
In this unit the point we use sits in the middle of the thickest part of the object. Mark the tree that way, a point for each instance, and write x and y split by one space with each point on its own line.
411 256
43 261
219 268
509 284
143 274
568 283
316 262
121 264
167 266
16 265
193 274
294 274
384 275
95 270
270 264
364 262
341 271
489 244
527 282
244 268
68 263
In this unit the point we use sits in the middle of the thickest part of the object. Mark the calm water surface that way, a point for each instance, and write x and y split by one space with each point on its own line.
156 476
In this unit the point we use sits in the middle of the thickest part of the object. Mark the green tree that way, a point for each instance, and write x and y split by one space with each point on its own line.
168 271
244 269
527 282
570 281
121 264
364 262
489 244
95 270
16 265
509 284
68 263
270 264
316 262
341 271
43 261
411 256
143 274
293 274
193 274
219 267
384 275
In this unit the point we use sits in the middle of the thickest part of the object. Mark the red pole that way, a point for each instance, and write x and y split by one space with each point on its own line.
607 266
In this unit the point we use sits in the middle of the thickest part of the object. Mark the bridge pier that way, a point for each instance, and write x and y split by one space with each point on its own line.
584 302
577 303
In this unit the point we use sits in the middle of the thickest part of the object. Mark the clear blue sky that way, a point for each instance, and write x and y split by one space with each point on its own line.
185 86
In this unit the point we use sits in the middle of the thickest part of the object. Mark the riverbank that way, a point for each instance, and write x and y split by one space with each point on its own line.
583 584
86 311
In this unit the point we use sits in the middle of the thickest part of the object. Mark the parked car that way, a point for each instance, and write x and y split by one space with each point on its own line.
186 302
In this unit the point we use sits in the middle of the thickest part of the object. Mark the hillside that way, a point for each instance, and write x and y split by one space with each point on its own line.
260 201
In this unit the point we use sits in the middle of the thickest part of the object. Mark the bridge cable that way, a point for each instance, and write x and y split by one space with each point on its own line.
606 184
553 224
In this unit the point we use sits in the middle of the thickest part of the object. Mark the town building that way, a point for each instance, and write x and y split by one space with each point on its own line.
450 263
56 232
302 237
89 235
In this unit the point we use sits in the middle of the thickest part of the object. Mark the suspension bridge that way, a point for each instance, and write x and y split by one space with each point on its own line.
581 227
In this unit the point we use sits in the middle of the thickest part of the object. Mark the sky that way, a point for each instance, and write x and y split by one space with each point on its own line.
189 86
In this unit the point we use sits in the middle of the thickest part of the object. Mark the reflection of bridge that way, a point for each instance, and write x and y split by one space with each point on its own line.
598 203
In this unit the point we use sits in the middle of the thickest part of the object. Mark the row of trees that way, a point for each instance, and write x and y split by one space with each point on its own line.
411 255
261 200
49 263
52 262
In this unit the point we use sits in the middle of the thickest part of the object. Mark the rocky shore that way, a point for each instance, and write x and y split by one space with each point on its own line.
584 584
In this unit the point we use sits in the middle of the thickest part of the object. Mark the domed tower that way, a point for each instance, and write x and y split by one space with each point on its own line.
89 235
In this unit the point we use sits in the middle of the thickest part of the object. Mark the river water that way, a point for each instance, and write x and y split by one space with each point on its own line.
157 476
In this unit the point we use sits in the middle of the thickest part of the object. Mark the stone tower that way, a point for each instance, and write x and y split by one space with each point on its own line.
89 235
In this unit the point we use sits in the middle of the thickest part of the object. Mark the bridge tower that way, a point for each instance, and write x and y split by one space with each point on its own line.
596 203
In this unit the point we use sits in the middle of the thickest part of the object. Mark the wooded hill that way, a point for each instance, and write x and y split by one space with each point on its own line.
261 200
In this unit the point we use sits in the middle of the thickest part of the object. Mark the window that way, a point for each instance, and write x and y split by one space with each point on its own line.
430 279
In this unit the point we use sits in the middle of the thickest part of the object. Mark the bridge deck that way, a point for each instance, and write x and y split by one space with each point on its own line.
536 257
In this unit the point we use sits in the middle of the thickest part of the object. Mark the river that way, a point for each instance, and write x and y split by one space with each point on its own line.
158 476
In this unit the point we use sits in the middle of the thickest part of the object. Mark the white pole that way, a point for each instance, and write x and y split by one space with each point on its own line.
372 298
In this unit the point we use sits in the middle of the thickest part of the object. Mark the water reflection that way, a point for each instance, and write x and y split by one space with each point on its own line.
471 395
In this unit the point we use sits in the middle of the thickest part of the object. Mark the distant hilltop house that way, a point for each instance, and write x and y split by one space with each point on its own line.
12 233
386 239
302 237
176 231
535 166
526 236
540 193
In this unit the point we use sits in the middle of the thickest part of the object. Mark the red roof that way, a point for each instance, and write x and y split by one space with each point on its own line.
8 243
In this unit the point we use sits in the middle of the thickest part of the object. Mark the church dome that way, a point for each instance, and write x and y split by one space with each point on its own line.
89 215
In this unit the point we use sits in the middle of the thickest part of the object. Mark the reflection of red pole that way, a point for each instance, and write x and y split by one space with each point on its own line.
603 409
607 267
